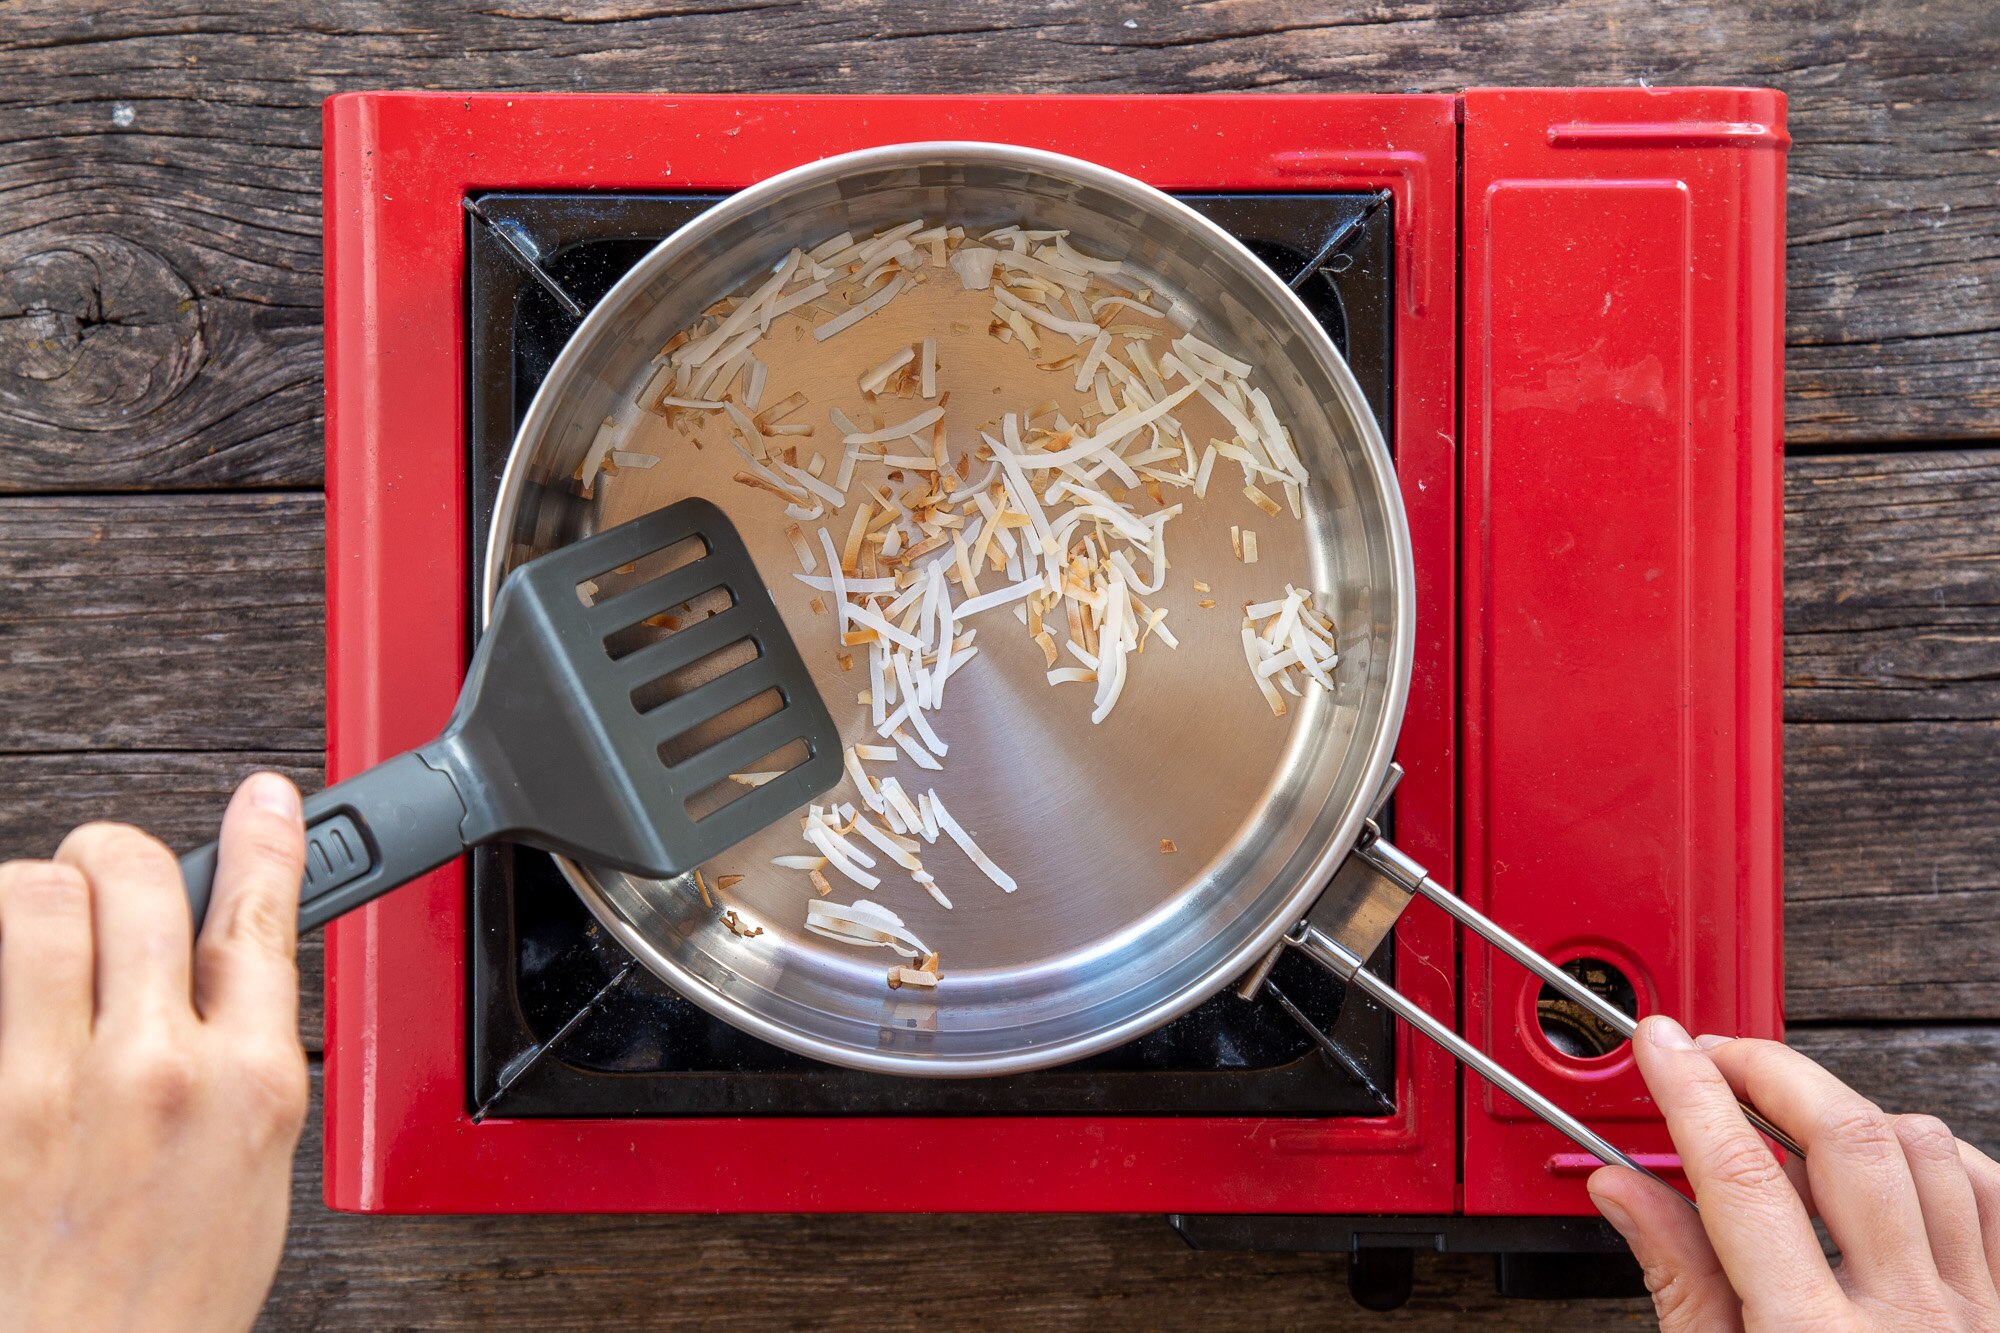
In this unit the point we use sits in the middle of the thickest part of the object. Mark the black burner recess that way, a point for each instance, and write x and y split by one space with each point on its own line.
564 1024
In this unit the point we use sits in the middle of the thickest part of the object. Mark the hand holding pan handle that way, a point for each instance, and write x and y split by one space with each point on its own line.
1369 894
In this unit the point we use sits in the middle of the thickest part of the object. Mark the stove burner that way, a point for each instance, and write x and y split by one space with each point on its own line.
564 1021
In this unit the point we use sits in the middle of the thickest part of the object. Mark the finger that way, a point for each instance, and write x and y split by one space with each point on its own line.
1984 1173
1860 1179
1690 1290
245 976
1795 1171
140 915
46 962
1951 1212
1753 1217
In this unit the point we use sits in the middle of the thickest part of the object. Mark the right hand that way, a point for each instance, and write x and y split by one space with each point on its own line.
1915 1212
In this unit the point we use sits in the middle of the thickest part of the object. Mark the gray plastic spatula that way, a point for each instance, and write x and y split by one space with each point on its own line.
620 683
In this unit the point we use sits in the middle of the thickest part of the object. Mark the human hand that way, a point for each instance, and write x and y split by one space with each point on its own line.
151 1089
1915 1212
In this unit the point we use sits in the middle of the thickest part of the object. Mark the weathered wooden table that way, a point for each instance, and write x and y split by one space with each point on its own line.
160 530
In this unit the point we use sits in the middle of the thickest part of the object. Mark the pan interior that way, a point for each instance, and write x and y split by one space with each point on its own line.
1109 934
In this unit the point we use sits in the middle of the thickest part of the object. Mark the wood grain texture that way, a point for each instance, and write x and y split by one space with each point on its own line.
170 622
159 173
1892 587
1892 871
1944 1071
876 1273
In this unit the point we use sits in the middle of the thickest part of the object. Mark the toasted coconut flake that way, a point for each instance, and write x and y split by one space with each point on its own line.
723 882
798 862
874 380
821 884
965 843
931 887
886 843
851 552
755 779
865 923
842 855
901 430
802 548
900 977
1263 501
1167 847
1236 540
916 753
738 926
1249 547
855 314
702 888
777 411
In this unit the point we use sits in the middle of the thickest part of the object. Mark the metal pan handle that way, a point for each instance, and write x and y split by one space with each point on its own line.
1331 954
1364 901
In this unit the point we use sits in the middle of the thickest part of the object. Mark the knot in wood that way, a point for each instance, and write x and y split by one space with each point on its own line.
95 331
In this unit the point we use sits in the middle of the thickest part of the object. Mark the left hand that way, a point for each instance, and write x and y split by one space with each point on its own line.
151 1087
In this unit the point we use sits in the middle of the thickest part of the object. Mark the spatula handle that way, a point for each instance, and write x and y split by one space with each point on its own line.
364 836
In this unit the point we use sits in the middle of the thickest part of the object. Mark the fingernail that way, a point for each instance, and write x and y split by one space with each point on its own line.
1620 1220
1663 1031
270 792
1709 1041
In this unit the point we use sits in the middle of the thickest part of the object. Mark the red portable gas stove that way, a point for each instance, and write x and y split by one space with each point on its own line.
1566 308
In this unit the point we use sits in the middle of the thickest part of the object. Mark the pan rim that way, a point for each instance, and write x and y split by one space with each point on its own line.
1399 597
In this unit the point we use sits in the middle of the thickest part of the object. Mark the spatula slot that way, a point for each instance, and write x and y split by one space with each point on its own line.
685 615
714 730
654 564
664 689
718 795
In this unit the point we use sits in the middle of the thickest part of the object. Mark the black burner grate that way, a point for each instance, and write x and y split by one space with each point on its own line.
563 1025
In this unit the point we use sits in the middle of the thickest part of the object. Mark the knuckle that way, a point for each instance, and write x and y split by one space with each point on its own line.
1673 1295
263 923
1860 1129
160 1076
1927 1137
102 843
37 1101
275 1084
1746 1165
44 888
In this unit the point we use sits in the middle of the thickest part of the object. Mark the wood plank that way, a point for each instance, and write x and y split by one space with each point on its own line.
1892 587
185 622
1892 871
1047 1272
159 282
1892 675
175 796
1942 1071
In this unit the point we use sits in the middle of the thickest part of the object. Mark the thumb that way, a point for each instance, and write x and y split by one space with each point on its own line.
1690 1290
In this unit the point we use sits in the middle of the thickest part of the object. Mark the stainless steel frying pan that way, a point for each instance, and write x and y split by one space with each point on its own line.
1108 937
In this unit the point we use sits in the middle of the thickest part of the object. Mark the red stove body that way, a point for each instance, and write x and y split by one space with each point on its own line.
1586 420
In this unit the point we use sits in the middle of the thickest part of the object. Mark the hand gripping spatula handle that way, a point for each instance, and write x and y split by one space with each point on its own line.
621 681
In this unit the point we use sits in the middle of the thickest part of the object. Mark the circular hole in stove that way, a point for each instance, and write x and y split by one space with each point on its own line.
1574 1030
